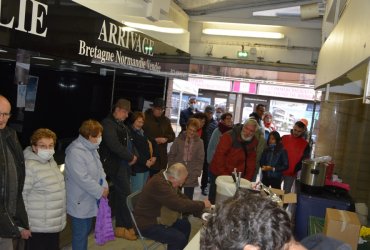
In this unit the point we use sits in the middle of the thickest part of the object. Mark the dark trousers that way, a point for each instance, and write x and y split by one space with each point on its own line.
273 182
176 237
212 188
189 192
153 172
121 184
204 180
43 241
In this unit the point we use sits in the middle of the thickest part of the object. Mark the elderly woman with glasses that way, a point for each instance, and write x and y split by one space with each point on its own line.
44 192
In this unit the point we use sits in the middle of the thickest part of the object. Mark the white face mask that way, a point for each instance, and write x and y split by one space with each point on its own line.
98 140
45 154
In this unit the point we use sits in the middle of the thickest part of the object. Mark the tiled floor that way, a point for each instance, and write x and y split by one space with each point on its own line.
121 244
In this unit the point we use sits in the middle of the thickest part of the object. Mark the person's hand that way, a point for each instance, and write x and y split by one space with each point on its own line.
25 234
149 163
133 161
207 203
266 168
105 192
153 160
161 140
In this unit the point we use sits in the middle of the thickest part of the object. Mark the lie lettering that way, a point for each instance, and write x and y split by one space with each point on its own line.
39 11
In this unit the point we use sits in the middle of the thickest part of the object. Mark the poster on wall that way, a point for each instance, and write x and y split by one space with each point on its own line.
31 93
21 95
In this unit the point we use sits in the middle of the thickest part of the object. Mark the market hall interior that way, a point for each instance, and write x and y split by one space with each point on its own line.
319 62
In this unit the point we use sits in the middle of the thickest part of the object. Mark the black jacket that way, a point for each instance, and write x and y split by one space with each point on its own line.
8 224
117 148
142 146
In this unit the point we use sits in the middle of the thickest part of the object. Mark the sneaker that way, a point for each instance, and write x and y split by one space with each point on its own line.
121 232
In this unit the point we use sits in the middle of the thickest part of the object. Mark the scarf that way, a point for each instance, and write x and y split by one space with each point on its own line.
223 127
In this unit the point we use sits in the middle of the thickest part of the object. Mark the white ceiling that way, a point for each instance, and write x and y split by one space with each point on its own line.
181 13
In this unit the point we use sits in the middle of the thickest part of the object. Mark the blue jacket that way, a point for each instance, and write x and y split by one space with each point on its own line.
83 175
185 114
278 160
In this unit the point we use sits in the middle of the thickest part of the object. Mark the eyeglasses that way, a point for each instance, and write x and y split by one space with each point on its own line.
6 115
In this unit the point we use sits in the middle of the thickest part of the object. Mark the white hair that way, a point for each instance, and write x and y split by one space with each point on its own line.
252 122
177 171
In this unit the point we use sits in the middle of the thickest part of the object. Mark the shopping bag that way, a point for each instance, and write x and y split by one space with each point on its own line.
103 226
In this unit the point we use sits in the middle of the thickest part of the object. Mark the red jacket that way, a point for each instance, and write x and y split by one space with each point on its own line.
295 147
230 154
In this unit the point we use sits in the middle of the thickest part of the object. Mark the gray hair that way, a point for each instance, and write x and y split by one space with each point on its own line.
177 171
252 122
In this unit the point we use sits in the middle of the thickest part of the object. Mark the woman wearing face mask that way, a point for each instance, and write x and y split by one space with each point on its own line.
274 161
85 181
44 192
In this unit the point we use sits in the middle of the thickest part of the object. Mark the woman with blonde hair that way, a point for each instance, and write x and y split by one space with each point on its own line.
44 192
85 181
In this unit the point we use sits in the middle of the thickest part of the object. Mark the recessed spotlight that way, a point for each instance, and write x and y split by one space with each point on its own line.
43 58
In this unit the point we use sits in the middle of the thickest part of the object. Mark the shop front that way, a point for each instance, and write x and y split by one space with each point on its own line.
61 63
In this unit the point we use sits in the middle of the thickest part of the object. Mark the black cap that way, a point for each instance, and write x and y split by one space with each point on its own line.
158 103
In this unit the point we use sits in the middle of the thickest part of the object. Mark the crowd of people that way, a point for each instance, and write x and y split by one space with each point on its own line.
132 153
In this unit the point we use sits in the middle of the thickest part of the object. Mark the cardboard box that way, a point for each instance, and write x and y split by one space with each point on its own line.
286 198
342 225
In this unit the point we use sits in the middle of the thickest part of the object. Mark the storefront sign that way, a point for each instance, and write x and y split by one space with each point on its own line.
68 30
36 24
210 84
245 87
286 92
125 38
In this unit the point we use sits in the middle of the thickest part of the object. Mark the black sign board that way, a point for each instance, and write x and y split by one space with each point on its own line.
68 30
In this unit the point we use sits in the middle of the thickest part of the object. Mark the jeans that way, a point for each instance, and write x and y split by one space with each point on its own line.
121 184
80 231
138 181
176 237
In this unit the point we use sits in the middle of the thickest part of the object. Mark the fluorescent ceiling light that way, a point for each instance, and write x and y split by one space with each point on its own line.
3 51
154 28
243 33
294 11
43 58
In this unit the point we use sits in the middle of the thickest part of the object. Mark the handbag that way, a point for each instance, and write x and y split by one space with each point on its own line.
103 226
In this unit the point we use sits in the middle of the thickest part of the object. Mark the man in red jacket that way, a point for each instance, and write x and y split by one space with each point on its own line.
298 150
238 148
